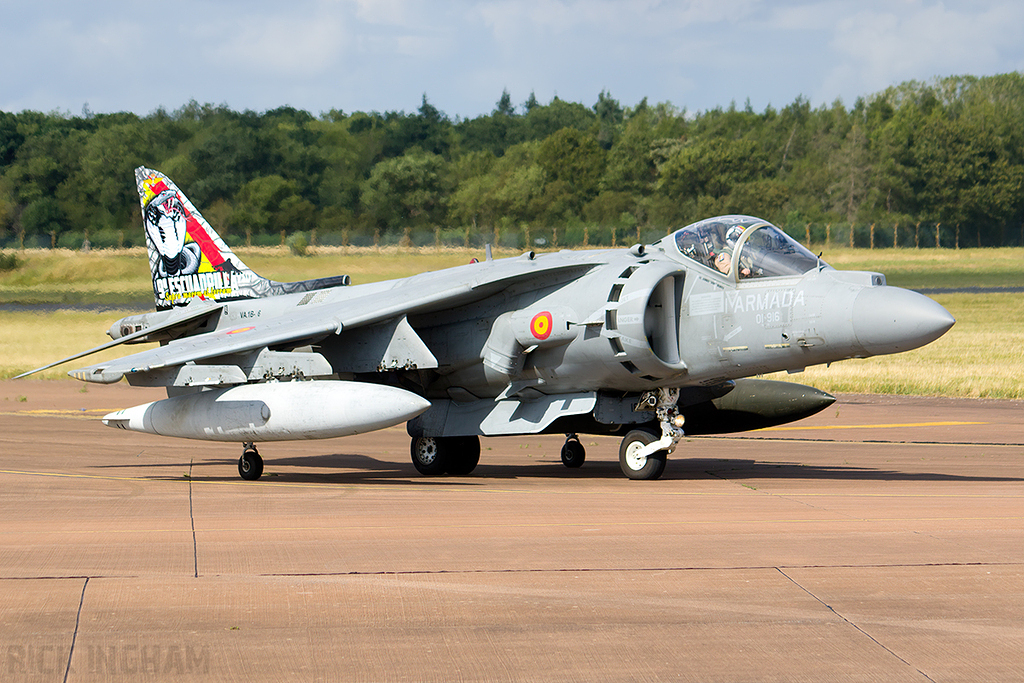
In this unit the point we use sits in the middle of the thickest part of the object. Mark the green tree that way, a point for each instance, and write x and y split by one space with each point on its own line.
850 169
429 129
543 121
43 216
504 106
347 160
266 205
609 118
406 191
10 138
573 164
506 189
630 163
711 166
967 177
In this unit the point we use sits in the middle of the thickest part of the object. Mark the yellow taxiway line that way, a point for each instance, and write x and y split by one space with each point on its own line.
878 426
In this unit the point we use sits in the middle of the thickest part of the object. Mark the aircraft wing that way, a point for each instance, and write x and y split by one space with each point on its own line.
422 293
177 319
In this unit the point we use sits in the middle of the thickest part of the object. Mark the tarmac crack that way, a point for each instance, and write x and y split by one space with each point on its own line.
74 636
192 520
614 570
850 623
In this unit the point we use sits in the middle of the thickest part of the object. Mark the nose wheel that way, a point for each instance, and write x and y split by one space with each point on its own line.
642 454
635 461
250 465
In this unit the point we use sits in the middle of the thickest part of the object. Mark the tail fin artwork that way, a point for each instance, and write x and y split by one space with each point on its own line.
189 260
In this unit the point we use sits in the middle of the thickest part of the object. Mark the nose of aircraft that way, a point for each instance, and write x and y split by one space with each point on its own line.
891 320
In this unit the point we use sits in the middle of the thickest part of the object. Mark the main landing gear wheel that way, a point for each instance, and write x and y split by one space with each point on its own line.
636 466
573 452
250 465
434 455
464 455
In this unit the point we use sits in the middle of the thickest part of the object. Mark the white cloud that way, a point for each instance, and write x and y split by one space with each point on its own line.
404 13
280 46
607 17
807 16
384 54
919 40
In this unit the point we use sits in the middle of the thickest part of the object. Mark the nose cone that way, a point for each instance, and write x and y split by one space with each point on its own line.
891 320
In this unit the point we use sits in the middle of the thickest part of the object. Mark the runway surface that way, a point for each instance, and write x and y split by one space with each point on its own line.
882 539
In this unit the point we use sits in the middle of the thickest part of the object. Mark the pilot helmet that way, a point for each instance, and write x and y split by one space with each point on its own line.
734 233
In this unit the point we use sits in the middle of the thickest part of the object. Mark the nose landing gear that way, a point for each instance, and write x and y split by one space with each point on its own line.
642 455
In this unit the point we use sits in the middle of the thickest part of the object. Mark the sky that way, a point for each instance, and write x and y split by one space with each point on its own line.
384 55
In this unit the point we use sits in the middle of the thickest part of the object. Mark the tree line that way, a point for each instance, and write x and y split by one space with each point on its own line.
944 158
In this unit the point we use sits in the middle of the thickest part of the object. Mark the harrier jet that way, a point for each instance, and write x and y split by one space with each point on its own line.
650 342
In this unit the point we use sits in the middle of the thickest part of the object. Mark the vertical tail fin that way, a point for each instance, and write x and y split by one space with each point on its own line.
189 260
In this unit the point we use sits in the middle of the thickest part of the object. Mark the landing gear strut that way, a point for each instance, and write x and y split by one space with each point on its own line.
573 452
642 455
250 465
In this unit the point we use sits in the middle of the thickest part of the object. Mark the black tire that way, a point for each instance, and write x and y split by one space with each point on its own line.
636 467
250 465
573 453
463 454
429 455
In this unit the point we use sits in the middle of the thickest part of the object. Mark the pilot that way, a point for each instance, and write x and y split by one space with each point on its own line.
723 261
734 234
732 237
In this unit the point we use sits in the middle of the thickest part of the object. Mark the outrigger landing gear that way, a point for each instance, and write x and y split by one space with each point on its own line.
642 455
573 452
250 465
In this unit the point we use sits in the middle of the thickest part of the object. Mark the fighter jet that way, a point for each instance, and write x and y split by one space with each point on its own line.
650 342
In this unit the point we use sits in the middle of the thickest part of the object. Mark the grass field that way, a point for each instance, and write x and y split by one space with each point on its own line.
982 356
923 268
122 276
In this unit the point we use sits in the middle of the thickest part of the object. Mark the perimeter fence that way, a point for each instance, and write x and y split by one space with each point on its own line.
919 235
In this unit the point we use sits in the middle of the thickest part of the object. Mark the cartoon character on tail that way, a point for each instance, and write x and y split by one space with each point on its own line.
165 220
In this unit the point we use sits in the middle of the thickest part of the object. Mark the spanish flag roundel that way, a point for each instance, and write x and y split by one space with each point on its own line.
541 325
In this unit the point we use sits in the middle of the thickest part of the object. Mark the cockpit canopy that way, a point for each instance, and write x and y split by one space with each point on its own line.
742 247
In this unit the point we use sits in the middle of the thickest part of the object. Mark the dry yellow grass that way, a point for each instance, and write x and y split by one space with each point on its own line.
363 264
122 276
31 340
917 268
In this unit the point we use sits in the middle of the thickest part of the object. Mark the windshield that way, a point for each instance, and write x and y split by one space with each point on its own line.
764 250
769 252
712 242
